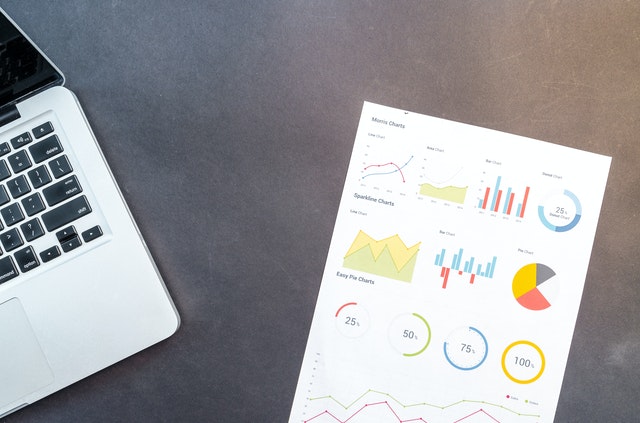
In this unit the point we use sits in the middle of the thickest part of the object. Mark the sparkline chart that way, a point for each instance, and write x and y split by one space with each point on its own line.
453 278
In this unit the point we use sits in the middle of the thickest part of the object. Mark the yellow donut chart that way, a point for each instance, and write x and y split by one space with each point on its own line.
523 362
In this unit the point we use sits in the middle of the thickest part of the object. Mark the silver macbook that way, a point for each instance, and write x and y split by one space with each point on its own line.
78 288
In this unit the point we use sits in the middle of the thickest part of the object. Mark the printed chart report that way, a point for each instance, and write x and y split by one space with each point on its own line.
454 276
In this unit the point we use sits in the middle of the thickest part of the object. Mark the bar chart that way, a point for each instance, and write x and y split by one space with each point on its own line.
498 200
471 266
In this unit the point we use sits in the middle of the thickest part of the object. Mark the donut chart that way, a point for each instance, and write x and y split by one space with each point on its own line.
527 283
410 334
561 211
523 362
352 320
466 348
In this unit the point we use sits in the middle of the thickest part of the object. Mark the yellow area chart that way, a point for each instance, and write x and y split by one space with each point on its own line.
388 257
449 193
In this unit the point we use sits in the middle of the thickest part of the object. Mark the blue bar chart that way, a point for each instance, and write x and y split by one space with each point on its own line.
500 201
471 266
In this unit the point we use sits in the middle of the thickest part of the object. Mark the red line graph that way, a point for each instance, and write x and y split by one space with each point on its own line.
385 404
365 407
394 169
382 408
398 168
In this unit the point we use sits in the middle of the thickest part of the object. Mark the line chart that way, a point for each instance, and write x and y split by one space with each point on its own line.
444 172
481 411
385 169
389 405
384 404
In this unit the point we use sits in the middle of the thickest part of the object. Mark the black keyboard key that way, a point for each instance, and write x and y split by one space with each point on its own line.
26 259
4 197
4 170
46 148
4 148
21 140
92 233
50 253
19 186
19 161
32 204
42 130
66 233
62 190
68 238
32 229
71 244
39 176
60 166
66 213
12 214
11 239
8 269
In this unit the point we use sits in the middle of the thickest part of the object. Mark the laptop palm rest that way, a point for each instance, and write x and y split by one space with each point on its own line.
23 366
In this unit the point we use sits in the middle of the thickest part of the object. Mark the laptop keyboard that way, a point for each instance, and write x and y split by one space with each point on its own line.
42 202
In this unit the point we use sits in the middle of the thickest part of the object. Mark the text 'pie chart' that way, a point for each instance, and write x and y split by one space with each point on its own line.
530 283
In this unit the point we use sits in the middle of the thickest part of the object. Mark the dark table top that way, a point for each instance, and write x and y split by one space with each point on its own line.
229 127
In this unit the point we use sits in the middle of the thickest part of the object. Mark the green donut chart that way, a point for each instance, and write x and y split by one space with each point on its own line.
560 212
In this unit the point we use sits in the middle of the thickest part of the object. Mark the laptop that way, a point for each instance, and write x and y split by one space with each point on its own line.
79 290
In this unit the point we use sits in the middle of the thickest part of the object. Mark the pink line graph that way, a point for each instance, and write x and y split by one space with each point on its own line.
395 168
362 409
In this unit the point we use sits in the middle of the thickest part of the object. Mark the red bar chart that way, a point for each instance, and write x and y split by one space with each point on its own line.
498 200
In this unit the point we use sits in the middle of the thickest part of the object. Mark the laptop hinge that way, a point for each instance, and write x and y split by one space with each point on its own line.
8 114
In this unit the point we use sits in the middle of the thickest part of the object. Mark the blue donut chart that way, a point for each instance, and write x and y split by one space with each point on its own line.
475 335
572 223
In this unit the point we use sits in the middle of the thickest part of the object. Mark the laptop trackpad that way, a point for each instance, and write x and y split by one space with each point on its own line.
23 366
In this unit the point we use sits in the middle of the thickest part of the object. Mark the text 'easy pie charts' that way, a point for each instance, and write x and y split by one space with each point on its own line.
530 284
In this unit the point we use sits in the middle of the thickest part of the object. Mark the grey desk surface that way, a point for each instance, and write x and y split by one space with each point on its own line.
229 126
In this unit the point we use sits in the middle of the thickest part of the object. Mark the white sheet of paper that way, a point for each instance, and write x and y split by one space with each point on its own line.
453 278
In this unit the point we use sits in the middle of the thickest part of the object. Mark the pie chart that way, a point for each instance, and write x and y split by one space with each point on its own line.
529 283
